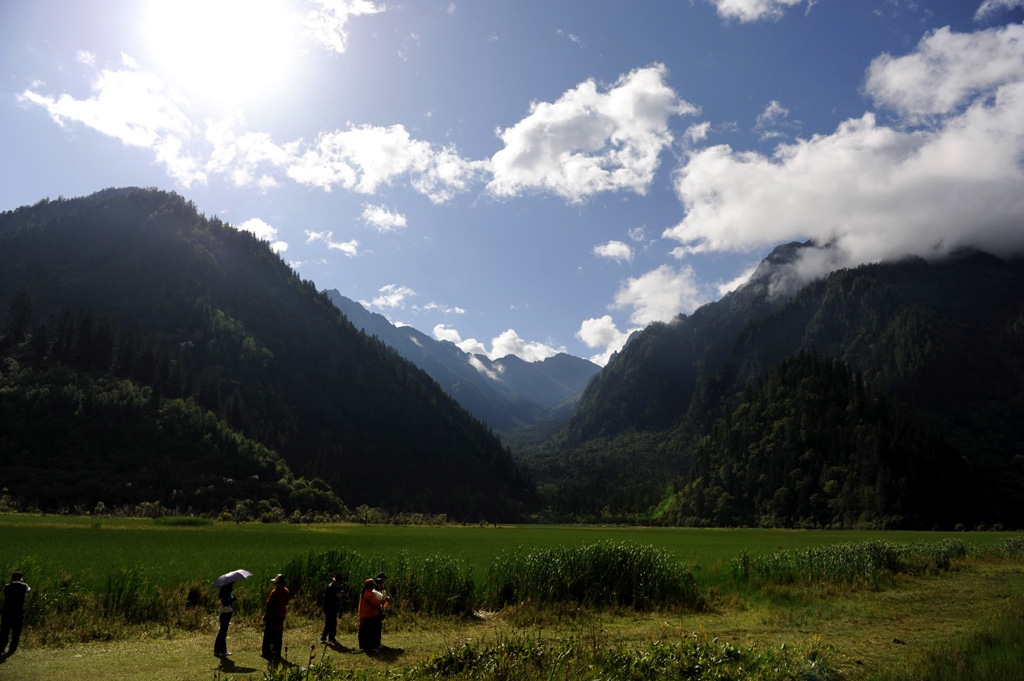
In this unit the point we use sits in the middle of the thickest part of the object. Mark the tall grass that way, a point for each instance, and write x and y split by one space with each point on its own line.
601 574
871 563
436 585
59 610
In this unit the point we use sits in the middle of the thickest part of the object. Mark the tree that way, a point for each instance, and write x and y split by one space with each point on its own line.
19 315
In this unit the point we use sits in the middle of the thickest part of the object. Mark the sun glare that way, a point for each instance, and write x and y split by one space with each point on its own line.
225 50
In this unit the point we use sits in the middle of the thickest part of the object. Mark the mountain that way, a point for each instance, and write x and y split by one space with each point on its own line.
523 401
134 285
652 380
678 416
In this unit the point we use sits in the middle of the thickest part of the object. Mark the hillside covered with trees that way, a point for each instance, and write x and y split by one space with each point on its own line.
884 396
146 342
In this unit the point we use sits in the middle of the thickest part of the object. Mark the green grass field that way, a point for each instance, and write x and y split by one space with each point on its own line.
934 615
91 548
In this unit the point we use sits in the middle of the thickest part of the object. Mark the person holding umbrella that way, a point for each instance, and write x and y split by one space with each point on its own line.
226 582
273 618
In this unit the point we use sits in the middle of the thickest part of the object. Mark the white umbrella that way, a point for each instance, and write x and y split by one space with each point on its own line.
233 576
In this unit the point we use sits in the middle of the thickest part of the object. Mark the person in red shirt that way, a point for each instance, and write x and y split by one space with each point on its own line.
371 617
273 618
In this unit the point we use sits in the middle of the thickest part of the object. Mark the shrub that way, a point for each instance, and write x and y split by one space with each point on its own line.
606 573
871 562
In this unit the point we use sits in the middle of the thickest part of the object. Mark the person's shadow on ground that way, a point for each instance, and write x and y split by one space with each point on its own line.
278 662
337 647
388 654
227 666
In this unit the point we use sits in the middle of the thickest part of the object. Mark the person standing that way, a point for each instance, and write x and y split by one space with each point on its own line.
13 614
371 617
331 595
273 618
227 608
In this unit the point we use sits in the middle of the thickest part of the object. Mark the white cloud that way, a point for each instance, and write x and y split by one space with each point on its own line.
990 7
365 157
392 296
473 347
443 332
326 24
638 233
603 333
574 38
349 248
614 250
875 192
264 232
134 107
771 114
477 364
266 182
774 115
660 295
589 141
451 8
381 219
85 57
698 132
947 69
508 343
259 228
444 309
241 155
752 10
725 287
137 108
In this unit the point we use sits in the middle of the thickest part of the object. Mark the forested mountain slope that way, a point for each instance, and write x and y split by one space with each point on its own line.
199 311
523 401
942 344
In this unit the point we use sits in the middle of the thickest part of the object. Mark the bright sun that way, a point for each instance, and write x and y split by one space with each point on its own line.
225 50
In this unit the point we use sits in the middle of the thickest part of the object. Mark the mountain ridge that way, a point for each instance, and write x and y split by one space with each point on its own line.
943 340
241 332
521 400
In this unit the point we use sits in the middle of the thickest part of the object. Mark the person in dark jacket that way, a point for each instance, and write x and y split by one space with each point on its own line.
331 595
273 618
227 608
13 614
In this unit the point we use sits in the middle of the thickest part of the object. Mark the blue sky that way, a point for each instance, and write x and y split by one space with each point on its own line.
526 177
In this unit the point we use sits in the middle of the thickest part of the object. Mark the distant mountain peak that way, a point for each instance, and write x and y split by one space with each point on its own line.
516 398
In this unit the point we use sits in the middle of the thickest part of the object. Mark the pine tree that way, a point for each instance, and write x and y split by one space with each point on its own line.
19 315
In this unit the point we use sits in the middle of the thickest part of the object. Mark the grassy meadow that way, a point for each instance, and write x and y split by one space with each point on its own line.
518 601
